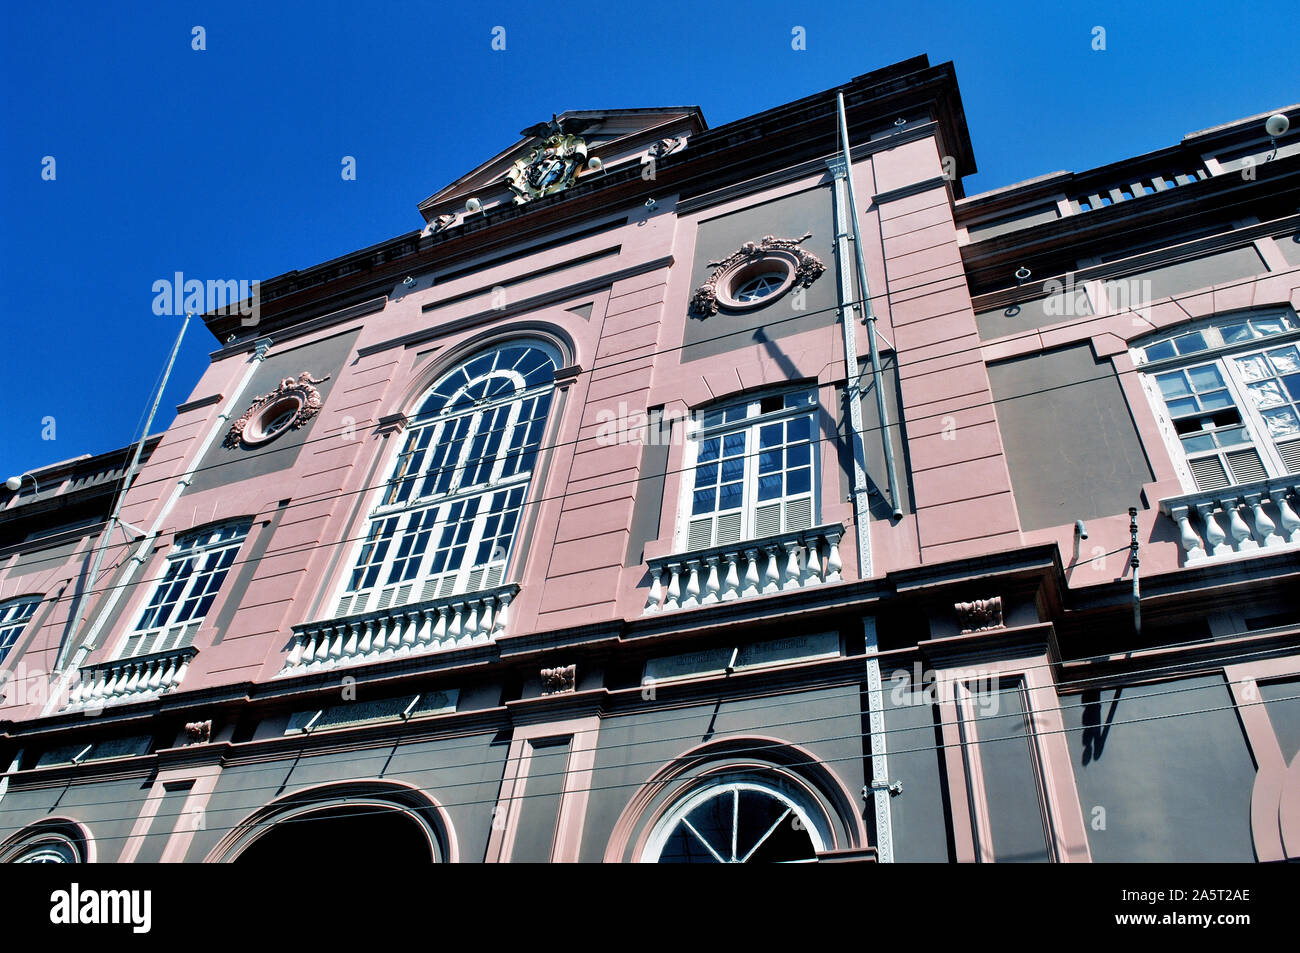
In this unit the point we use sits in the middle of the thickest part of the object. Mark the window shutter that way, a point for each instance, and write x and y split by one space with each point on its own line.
700 534
731 528
767 520
1246 465
1209 474
344 605
1290 455
798 514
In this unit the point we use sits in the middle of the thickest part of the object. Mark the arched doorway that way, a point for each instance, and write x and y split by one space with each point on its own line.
341 836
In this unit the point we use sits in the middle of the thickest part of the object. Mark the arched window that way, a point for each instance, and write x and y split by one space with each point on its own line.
736 821
14 616
47 842
449 514
1228 394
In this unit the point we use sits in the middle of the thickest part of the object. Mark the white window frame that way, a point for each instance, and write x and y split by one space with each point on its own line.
1223 357
470 576
775 788
199 546
755 419
13 622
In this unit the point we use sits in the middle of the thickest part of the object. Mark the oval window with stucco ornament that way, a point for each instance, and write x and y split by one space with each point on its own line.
286 408
757 274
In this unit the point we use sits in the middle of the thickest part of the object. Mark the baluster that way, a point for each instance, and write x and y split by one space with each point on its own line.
471 622
155 679
833 562
295 652
1191 543
486 623
1265 528
410 630
692 584
731 583
812 575
792 569
1287 517
773 583
751 573
1215 538
500 624
440 629
457 618
674 600
1237 526
656 592
366 644
711 584
180 672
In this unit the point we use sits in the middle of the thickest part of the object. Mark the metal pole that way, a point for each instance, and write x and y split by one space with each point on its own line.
870 315
101 546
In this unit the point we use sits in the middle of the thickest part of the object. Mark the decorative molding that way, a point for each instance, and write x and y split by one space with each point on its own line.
299 392
556 681
979 615
551 167
198 732
804 266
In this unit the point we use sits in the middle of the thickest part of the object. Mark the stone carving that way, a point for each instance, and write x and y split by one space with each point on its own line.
198 732
298 396
806 267
980 615
558 680
552 166
666 147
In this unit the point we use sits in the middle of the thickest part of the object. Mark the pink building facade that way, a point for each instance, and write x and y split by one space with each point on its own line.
564 529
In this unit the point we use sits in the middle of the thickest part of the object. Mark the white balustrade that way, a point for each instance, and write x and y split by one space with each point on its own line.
795 560
440 624
1256 517
124 680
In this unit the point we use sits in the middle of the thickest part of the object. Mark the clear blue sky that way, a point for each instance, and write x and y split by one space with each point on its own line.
225 163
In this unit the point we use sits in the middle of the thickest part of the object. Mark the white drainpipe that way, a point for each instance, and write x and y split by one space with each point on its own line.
143 551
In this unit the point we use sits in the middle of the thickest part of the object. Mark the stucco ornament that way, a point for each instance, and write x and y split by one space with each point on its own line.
551 167
287 407
558 680
979 615
782 257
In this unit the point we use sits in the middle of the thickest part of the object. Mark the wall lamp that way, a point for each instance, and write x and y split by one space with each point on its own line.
15 483
1276 125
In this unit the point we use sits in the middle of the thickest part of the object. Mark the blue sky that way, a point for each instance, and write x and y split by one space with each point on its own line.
225 163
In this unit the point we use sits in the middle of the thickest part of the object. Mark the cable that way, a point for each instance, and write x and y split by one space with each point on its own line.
1128 677
1029 732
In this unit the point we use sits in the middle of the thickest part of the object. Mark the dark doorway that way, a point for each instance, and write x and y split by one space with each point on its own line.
345 835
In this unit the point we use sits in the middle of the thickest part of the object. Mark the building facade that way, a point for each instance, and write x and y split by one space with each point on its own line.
704 495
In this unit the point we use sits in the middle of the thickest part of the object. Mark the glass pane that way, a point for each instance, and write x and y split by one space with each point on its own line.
799 455
734 444
1233 333
1198 442
1292 383
706 475
729 496
1190 343
769 461
1160 351
799 481
1269 325
1267 394
1216 400
708 450
1282 423
769 436
733 468
798 429
1232 437
1252 368
1286 360
1206 377
769 487
1173 385
1184 405
702 502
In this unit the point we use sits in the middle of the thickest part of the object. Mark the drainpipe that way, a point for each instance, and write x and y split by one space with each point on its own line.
142 552
870 314
879 790
1133 564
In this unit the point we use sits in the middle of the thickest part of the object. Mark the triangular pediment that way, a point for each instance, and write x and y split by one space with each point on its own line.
612 135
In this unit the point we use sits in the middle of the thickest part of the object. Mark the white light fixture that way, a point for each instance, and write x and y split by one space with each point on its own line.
408 281
1277 125
473 205
594 164
15 483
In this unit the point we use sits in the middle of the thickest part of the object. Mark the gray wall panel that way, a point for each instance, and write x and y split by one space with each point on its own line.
1169 766
1282 702
1071 444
